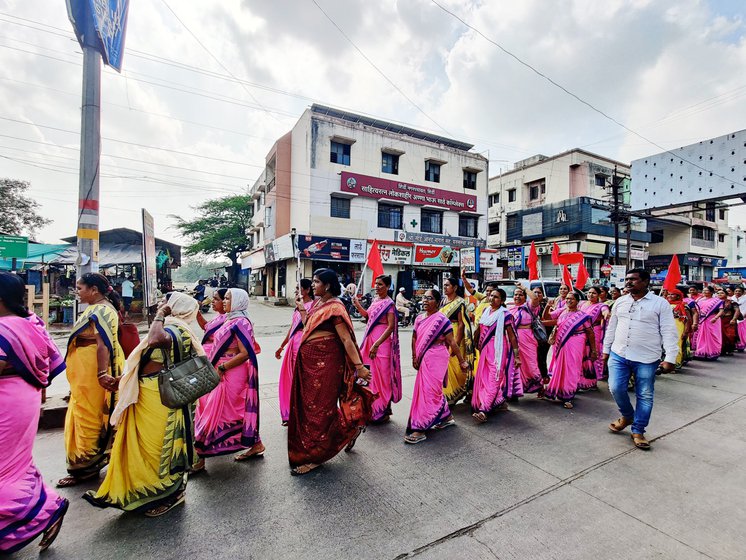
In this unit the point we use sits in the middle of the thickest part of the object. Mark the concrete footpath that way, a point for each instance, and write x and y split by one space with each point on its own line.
537 482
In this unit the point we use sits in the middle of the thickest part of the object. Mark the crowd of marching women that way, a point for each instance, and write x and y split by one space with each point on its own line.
331 387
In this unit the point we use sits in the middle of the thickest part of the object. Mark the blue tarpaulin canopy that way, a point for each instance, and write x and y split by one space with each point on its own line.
38 253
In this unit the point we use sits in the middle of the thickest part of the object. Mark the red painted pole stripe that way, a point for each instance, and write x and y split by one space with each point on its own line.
88 204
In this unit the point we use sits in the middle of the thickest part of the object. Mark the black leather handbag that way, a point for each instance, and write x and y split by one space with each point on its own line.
539 330
183 382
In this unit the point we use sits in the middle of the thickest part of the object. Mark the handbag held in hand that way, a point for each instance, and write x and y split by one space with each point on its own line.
183 382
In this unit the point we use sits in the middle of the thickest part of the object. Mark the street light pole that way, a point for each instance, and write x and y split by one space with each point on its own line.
90 153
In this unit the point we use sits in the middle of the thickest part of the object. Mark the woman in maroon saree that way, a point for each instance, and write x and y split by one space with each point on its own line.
326 369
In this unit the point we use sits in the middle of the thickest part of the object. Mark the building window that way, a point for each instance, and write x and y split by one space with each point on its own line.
431 221
721 238
432 171
543 188
494 199
470 180
710 212
721 214
512 221
494 228
268 217
601 180
511 195
389 216
706 234
340 207
533 192
390 163
467 226
340 153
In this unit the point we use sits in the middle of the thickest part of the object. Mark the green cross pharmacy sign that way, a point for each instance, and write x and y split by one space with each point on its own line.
13 247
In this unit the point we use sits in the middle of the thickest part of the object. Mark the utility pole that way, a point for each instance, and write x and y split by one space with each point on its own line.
90 153
615 214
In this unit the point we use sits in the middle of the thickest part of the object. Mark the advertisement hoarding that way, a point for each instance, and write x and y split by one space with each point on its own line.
331 248
436 255
469 257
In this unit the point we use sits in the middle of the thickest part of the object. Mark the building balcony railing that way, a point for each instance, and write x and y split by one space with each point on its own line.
706 243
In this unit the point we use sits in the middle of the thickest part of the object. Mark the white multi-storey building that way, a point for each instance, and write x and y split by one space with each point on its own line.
339 181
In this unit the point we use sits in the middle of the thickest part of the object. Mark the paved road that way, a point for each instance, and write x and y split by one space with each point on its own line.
536 482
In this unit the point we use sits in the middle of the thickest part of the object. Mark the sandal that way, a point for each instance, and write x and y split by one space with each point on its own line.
414 439
257 450
165 508
568 405
69 481
502 407
640 442
445 424
198 467
479 417
285 423
619 424
303 469
53 530
350 445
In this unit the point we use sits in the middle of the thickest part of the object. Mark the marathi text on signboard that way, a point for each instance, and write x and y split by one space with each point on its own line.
395 254
469 259
436 255
376 187
435 239
488 259
109 19
13 247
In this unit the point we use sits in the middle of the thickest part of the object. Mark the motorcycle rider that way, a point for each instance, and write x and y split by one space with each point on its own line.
402 304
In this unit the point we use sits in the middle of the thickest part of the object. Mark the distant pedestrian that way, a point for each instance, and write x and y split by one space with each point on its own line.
29 360
641 324
740 300
199 291
128 290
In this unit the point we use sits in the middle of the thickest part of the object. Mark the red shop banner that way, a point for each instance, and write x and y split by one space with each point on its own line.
375 187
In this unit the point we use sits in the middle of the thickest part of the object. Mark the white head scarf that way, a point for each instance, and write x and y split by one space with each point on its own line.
489 318
239 303
184 311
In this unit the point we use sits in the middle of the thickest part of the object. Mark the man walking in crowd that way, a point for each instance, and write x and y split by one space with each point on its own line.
641 324
127 294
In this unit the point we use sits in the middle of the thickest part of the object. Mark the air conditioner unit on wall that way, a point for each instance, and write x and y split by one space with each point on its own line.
545 250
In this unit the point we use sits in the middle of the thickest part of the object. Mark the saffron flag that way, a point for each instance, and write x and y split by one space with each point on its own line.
674 274
570 258
566 276
374 262
583 276
555 255
533 259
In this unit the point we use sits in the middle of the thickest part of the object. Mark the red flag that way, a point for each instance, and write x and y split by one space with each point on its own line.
533 259
374 262
566 276
674 274
570 258
555 255
582 276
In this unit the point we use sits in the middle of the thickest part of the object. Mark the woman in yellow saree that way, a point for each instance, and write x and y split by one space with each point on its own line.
94 360
453 306
154 447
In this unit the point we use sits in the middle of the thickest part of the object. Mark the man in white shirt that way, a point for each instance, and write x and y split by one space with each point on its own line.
127 293
640 328
402 303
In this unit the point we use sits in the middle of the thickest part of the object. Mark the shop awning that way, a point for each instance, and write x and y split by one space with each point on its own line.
38 253
255 261
108 255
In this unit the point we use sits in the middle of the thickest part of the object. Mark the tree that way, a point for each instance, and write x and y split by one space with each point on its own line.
220 229
19 215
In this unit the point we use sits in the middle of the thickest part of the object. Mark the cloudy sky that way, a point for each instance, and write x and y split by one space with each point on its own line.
208 86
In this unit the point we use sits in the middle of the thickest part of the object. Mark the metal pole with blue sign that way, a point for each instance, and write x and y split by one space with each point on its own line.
99 26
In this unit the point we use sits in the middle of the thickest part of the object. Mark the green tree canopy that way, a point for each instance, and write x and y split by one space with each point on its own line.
19 215
219 229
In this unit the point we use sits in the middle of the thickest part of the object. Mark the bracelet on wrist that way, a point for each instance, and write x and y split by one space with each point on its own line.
159 318
102 373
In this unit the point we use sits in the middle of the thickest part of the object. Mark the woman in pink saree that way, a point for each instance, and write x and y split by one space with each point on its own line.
574 333
432 344
496 337
599 313
28 362
380 350
523 313
228 420
211 327
709 340
292 341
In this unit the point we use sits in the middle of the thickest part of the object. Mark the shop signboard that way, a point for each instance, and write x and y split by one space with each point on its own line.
148 260
13 247
514 256
469 257
493 275
331 248
377 187
617 274
436 255
435 239
396 254
488 259
269 253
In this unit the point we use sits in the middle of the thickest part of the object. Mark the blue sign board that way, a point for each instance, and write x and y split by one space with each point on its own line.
101 24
